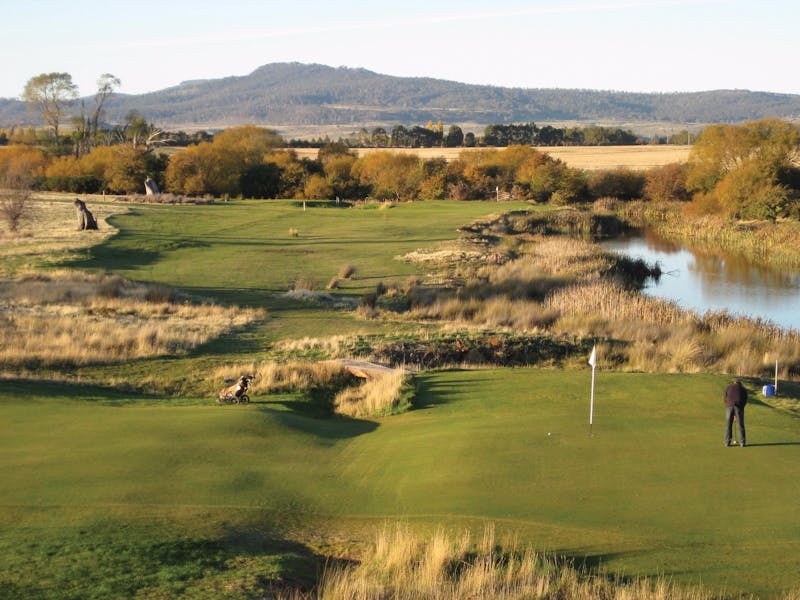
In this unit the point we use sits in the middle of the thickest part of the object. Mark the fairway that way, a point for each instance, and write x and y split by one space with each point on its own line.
250 249
652 491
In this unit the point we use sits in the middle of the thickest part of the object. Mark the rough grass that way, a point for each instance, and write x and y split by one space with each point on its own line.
404 565
70 318
49 234
328 383
567 286
378 395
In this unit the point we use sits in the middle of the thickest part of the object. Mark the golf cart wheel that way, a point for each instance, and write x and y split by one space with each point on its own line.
244 399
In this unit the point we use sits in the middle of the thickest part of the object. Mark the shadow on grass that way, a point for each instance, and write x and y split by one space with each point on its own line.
749 445
312 420
593 563
432 392
35 390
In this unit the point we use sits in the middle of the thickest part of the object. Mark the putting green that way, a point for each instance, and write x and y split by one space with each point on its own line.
651 491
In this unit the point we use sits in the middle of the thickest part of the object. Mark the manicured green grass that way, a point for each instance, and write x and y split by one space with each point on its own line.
242 251
109 494
104 495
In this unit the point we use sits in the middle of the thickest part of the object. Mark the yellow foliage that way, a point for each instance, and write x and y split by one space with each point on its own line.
390 174
21 164
63 166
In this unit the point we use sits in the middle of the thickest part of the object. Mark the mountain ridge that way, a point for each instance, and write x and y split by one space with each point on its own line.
299 95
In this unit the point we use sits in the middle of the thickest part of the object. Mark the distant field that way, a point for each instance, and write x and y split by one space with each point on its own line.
581 157
590 158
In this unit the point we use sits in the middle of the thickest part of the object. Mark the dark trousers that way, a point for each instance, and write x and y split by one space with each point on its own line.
738 413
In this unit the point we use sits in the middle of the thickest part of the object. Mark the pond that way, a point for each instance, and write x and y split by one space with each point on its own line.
708 280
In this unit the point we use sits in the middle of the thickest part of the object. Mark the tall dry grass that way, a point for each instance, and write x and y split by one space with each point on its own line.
378 395
70 318
659 336
566 286
402 565
327 381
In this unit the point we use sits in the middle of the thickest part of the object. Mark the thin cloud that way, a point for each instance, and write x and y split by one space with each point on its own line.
248 36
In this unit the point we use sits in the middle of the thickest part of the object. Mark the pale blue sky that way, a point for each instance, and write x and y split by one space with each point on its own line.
631 45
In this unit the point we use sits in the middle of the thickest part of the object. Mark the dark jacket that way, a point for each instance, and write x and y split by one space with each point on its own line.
735 394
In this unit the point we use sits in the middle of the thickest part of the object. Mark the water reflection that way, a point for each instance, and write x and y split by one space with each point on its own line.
705 279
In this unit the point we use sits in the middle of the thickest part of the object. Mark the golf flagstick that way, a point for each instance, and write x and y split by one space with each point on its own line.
593 362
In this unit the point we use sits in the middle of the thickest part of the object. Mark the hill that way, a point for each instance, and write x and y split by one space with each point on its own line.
294 95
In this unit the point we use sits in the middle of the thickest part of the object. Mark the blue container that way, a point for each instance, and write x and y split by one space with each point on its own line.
768 390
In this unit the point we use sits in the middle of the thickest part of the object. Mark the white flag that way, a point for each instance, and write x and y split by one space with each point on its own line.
593 357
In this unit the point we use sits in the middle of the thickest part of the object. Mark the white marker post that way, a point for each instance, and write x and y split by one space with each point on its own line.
776 376
593 362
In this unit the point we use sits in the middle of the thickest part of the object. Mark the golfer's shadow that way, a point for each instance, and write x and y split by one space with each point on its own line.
774 444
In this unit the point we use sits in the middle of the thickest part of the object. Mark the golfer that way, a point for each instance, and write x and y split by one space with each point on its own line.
735 400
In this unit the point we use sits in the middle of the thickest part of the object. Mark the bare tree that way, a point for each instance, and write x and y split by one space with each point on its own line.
87 127
13 204
141 134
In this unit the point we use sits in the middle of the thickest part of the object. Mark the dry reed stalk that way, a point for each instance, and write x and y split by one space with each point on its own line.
612 301
403 566
378 395
77 318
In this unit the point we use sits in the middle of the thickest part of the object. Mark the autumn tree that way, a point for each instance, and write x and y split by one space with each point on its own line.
20 165
194 171
621 183
50 94
746 170
666 183
338 175
390 174
17 169
218 167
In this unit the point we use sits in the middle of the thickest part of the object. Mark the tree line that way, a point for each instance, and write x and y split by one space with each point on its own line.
749 171
497 135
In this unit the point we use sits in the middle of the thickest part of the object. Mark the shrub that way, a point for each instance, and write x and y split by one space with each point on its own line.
666 183
305 283
347 271
80 184
618 183
13 207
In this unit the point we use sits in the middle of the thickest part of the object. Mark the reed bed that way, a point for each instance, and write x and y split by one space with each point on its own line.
567 286
765 242
659 336
68 318
402 565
